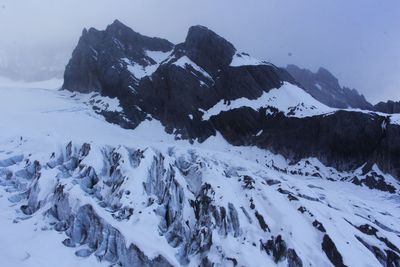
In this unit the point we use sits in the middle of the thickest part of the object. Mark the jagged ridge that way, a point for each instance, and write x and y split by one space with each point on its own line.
196 75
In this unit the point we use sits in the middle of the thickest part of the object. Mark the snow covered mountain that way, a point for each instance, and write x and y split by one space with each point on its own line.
221 160
203 86
326 88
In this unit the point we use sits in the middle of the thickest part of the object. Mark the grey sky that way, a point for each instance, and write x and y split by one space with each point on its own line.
358 40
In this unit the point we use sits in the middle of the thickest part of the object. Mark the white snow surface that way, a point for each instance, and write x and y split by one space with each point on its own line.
184 62
37 122
140 71
243 59
289 99
395 119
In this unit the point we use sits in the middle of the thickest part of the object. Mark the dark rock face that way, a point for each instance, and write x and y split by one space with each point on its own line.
325 87
100 63
293 259
339 139
389 107
209 50
95 64
319 226
375 181
386 257
277 248
196 75
331 252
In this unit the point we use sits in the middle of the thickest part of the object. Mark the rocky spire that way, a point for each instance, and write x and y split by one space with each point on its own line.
208 49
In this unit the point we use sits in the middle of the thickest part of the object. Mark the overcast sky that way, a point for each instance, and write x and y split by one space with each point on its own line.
358 40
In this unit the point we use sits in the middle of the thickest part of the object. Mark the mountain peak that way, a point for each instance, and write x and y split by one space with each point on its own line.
208 49
325 87
117 24
327 75
109 52
120 29
199 33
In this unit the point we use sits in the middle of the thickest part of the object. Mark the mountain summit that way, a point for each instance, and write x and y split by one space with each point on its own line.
207 49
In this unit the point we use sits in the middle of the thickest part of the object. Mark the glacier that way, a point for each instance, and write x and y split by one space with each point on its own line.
76 187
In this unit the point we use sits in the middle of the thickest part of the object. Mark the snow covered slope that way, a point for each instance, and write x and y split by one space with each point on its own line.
289 99
92 193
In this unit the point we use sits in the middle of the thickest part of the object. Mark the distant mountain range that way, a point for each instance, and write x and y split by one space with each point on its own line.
325 87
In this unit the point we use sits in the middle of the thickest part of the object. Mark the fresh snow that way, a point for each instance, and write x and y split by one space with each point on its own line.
395 119
184 62
158 56
290 99
243 59
140 71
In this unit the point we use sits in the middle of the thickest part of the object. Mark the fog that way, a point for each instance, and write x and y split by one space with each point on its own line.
358 40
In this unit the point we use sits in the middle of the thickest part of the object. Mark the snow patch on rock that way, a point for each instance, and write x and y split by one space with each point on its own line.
289 99
140 71
185 62
244 59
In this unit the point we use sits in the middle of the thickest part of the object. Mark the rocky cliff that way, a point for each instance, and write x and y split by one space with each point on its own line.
389 107
179 85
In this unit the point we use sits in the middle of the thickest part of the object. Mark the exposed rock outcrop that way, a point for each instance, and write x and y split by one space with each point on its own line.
389 107
180 85
325 87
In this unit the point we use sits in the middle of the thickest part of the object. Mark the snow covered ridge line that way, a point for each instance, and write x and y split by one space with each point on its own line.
289 99
244 59
145 207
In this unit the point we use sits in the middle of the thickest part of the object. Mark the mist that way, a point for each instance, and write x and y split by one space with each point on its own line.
358 41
